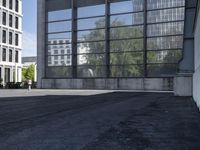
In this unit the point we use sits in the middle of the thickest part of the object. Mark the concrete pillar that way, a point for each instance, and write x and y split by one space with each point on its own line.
183 80
11 74
196 76
3 74
16 74
35 73
41 41
19 74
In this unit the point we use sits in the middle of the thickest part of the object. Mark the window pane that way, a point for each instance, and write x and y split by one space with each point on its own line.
60 36
60 15
172 42
60 60
165 15
123 6
127 19
93 47
90 11
165 29
60 72
91 71
172 56
126 32
62 49
91 23
126 45
57 5
126 58
59 26
91 59
157 4
127 71
161 70
91 35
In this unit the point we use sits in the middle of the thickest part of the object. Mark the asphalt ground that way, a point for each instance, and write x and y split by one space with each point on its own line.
98 120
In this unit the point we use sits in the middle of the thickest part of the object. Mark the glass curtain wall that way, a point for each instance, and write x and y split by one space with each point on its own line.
126 38
91 53
165 29
119 38
59 39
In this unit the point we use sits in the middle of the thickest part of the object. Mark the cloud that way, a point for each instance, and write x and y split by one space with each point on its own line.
29 44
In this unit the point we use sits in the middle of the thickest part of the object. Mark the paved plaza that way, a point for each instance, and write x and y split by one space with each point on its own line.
97 120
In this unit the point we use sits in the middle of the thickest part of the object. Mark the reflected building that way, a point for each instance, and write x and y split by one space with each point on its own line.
59 52
113 41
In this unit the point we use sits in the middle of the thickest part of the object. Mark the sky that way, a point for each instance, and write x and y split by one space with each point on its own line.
29 27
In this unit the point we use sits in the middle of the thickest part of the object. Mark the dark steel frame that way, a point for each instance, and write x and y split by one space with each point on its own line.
107 40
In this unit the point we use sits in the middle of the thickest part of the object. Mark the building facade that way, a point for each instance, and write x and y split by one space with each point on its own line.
113 44
10 40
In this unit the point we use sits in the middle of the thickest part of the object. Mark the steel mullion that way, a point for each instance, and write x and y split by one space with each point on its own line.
107 37
74 38
145 39
166 8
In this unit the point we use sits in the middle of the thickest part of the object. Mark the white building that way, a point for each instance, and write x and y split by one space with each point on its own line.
10 40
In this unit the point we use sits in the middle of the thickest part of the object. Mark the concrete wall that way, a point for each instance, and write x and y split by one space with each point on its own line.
40 41
186 65
196 77
183 82
154 84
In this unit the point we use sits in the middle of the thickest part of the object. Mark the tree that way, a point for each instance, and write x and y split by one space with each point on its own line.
28 73
122 50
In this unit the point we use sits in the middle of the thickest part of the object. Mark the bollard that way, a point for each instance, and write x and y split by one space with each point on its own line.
29 85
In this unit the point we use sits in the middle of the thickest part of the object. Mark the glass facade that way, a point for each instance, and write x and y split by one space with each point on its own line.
119 38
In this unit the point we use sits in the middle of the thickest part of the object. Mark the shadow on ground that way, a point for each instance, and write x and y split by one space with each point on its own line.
112 121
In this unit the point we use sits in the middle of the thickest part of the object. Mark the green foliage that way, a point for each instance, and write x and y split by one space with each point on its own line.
28 73
123 55
61 71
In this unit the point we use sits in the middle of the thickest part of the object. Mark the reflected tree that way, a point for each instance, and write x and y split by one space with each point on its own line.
125 52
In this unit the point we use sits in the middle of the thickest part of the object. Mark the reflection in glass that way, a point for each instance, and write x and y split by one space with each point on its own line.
91 23
127 19
126 32
126 45
165 15
91 35
122 6
91 59
67 36
61 48
161 70
126 58
171 42
90 11
59 15
126 71
59 26
170 56
165 29
125 38
157 4
93 47
91 71
59 72
60 60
